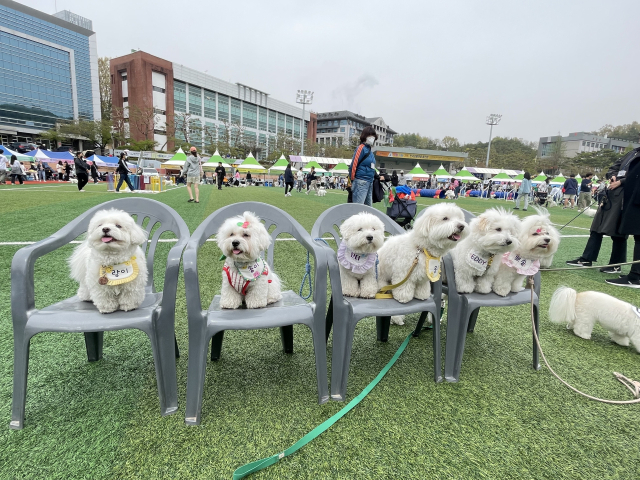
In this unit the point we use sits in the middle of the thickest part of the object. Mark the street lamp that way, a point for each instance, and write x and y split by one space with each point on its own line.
305 97
493 119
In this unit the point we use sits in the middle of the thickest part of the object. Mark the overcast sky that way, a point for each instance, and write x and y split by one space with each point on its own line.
435 68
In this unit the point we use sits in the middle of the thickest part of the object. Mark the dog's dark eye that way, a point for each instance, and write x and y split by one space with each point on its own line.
231 234
498 229
246 235
359 229
445 218
535 234
118 226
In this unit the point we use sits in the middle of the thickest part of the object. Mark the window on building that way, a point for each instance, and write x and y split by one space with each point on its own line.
262 119
195 100
289 121
209 104
179 96
281 122
249 115
272 121
262 139
158 89
296 127
235 110
343 122
222 132
210 133
342 129
223 107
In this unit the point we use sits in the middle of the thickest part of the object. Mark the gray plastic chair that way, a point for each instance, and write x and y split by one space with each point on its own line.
345 312
155 316
292 309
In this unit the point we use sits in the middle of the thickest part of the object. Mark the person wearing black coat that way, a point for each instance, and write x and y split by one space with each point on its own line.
628 178
82 170
94 171
220 173
67 171
394 179
606 222
123 171
288 180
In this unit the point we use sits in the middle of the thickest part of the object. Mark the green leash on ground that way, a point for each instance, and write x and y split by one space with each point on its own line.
258 465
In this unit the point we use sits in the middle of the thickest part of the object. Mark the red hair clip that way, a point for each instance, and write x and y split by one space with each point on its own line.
243 225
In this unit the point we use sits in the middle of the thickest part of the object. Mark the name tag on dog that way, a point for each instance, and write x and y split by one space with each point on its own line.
433 269
118 274
478 262
252 270
524 266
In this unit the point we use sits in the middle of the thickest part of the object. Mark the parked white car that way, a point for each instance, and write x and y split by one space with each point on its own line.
150 171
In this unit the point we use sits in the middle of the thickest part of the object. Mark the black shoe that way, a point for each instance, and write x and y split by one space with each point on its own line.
623 282
578 262
190 200
611 270
516 208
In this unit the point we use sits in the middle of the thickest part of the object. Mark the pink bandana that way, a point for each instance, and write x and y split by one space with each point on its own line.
522 265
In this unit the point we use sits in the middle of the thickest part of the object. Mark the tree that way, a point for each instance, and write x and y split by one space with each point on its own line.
629 132
142 120
596 161
104 80
450 143
557 156
99 133
54 136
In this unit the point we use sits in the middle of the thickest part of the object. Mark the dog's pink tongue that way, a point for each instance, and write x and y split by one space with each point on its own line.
106 239
456 236
236 251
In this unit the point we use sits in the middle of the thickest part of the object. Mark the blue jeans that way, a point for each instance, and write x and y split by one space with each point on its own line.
362 191
124 177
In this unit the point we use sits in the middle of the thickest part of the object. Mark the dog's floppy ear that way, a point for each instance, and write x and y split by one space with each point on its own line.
483 222
138 234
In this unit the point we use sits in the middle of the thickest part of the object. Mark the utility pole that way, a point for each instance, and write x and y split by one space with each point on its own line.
493 119
305 97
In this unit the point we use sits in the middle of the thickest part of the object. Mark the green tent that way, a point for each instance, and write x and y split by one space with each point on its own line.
180 155
559 179
250 163
315 164
465 175
519 178
213 161
441 172
340 169
578 178
281 165
502 177
417 170
540 178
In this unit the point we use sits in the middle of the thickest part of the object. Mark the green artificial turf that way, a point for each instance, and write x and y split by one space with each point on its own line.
502 420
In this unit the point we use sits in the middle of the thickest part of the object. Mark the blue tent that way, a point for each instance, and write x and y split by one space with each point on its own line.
53 155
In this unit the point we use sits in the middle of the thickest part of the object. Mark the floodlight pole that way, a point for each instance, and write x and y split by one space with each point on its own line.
492 120
305 97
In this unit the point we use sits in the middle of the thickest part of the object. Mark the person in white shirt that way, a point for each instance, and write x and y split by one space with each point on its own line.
300 178
3 168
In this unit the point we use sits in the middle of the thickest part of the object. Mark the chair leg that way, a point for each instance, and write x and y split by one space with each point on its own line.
164 355
536 353
340 358
320 350
21 347
472 320
175 340
437 349
457 323
329 320
198 344
286 335
382 327
93 342
216 346
418 329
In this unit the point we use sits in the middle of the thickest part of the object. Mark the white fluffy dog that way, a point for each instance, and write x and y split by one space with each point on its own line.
450 195
109 265
580 311
362 237
321 192
476 259
246 275
590 212
434 233
538 243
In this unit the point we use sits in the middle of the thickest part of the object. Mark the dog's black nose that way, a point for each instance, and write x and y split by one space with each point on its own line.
369 237
460 228
509 242
106 229
547 240
235 243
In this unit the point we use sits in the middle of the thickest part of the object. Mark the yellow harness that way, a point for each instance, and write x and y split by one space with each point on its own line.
432 266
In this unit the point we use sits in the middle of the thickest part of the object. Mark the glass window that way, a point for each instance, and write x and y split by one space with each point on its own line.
235 110
272 121
262 119
249 115
281 122
223 107
289 130
296 127
210 133
179 96
209 104
195 100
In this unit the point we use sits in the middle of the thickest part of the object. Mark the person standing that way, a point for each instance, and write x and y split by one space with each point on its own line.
82 170
570 190
543 192
67 172
94 171
401 178
629 178
60 170
524 190
248 179
312 181
16 170
584 199
3 168
394 179
288 180
362 169
300 177
220 173
192 170
123 170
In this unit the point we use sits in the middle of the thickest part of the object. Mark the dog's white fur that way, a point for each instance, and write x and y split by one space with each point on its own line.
364 234
251 242
534 245
437 230
91 254
493 232
552 204
590 212
321 192
450 195
580 311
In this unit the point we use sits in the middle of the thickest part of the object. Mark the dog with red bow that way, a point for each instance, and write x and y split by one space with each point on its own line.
246 276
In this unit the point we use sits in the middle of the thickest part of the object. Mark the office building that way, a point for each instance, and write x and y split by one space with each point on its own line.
141 82
337 128
48 71
579 142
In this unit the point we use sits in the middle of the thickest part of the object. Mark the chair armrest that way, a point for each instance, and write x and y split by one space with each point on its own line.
171 275
191 281
334 274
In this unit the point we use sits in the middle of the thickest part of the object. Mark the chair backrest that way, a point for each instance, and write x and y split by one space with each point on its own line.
330 220
143 209
468 216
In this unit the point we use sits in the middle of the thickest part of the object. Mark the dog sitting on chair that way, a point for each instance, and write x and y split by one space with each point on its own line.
434 233
246 275
581 311
538 243
477 258
109 265
362 236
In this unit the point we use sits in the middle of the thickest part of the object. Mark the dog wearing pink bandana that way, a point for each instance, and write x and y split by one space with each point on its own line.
538 242
362 237
246 276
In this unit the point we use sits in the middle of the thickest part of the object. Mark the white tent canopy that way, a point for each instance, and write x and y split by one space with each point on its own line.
321 160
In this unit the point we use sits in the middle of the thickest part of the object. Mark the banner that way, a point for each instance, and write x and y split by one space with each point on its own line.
420 156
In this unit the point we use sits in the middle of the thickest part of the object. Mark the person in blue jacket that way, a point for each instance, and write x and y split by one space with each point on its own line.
570 190
362 169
